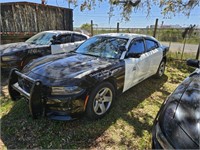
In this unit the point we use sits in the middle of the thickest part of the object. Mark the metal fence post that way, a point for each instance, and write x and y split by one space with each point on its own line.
183 48
118 27
155 28
91 27
198 52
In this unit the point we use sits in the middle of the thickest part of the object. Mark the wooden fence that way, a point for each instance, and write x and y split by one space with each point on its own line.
24 18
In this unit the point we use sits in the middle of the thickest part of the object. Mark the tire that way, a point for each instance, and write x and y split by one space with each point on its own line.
161 69
97 106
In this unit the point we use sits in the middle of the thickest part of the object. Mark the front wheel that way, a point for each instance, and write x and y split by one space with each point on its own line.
100 101
161 69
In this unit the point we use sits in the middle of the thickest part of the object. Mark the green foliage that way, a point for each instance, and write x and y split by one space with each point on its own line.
177 56
86 27
175 35
163 34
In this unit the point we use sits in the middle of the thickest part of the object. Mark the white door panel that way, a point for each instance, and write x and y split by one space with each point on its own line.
136 70
130 71
143 66
61 48
155 59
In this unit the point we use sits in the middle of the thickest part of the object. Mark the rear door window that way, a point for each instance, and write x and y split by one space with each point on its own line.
65 38
77 37
151 45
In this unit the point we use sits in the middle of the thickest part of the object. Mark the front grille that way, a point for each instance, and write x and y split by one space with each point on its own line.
24 84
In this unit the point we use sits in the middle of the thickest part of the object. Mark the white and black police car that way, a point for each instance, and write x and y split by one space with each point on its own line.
17 55
64 86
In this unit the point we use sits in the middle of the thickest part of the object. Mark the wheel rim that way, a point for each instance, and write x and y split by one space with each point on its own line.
161 69
102 101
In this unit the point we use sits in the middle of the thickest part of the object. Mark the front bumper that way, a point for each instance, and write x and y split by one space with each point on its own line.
43 104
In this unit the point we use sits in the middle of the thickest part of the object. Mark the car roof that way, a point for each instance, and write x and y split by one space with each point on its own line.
126 35
64 31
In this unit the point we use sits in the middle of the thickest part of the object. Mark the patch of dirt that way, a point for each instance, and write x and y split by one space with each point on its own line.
4 91
4 84
2 146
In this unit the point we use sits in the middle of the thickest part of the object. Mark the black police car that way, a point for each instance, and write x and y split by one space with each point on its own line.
17 55
64 86
177 125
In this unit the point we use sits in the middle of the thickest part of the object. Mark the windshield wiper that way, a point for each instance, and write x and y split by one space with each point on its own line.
87 54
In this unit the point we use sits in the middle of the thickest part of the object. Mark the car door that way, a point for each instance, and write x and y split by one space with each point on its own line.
136 69
65 44
78 39
155 55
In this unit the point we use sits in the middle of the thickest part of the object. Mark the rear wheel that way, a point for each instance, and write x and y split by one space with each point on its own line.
100 101
161 69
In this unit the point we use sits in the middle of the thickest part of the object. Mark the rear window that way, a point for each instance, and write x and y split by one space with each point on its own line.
79 38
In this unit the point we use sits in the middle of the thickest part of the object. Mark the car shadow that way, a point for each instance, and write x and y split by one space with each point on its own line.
20 131
139 94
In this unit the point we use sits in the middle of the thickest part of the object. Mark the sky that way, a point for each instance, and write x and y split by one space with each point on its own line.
138 19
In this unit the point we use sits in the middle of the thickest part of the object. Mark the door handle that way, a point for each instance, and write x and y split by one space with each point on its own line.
134 68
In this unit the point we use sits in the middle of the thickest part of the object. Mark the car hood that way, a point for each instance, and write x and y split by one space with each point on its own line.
188 110
65 66
15 47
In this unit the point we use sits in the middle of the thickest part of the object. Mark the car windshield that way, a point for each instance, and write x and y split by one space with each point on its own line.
107 47
43 38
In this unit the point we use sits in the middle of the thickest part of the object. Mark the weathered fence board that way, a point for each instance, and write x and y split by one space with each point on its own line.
31 17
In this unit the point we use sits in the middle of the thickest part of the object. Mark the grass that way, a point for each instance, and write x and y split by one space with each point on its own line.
127 126
178 55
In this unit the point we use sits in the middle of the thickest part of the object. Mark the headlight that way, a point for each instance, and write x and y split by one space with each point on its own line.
66 90
9 58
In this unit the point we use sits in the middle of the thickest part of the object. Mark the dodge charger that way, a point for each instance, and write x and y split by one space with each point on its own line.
87 80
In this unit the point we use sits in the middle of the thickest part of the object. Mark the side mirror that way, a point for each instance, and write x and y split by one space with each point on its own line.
55 40
122 48
134 55
193 63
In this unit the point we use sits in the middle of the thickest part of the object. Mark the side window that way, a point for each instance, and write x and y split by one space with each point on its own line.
65 38
137 47
150 45
79 38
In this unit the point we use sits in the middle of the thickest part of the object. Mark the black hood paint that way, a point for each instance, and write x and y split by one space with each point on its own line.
179 116
188 110
67 66
16 47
